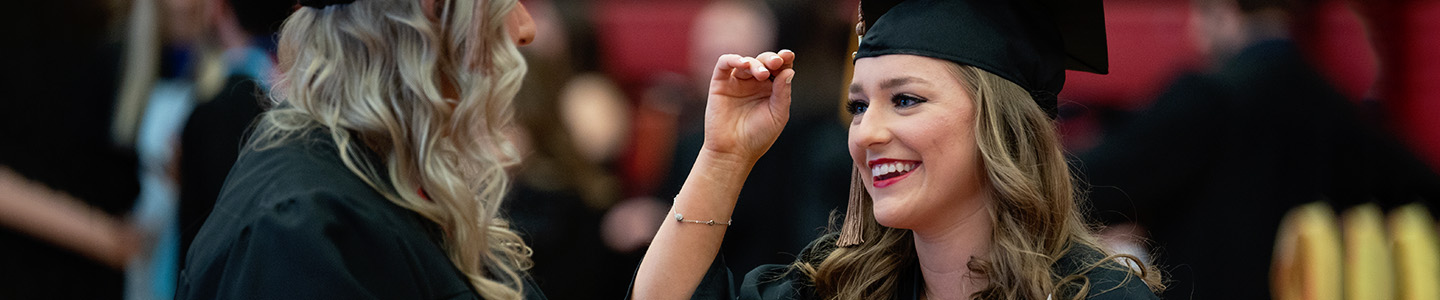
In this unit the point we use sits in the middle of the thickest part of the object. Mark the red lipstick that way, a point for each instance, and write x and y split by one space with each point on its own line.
885 171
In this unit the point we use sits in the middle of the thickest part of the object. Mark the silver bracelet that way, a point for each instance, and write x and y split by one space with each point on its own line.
681 218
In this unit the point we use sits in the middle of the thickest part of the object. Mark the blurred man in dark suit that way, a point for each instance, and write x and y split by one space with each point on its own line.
1214 163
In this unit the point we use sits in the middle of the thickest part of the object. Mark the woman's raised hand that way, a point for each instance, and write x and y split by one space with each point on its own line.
749 104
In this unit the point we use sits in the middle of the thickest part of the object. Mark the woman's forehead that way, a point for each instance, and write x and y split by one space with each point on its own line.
890 71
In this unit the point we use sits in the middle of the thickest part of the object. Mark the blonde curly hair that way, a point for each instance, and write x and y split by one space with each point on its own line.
428 86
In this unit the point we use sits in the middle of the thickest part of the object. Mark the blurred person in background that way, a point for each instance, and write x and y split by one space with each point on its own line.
1210 168
235 68
216 60
382 170
208 59
570 122
146 111
167 99
65 176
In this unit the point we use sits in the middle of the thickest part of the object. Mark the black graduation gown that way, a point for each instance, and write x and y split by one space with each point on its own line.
777 281
292 222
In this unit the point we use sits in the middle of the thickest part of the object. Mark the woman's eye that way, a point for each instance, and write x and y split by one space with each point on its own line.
905 100
856 107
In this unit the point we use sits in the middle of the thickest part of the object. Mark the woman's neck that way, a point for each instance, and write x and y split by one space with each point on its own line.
945 252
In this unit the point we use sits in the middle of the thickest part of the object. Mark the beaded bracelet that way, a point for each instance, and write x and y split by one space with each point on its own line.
681 218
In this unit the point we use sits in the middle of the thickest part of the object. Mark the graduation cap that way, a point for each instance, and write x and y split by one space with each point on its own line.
1029 42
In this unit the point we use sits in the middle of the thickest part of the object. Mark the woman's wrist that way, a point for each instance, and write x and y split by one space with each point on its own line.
713 185
723 173
725 163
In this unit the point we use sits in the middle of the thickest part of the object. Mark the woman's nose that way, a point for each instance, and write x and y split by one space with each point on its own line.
521 26
871 130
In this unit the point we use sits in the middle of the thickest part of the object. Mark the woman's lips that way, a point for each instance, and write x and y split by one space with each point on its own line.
881 183
890 171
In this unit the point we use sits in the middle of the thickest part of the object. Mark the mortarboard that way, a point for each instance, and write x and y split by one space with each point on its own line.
1029 42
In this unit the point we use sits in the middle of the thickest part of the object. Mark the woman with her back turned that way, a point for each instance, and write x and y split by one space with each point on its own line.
380 173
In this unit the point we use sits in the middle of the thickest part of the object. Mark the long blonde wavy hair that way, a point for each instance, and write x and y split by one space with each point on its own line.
1036 214
428 88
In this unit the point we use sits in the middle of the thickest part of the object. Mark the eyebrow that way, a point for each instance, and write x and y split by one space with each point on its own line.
890 83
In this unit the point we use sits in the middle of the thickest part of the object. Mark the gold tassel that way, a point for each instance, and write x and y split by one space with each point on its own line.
852 231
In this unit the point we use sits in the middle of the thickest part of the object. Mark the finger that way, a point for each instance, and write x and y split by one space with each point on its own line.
757 69
789 58
726 65
743 69
772 61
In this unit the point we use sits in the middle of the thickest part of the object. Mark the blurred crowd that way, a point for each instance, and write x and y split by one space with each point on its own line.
1221 118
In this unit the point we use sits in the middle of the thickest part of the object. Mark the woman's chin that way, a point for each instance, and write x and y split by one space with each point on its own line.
891 218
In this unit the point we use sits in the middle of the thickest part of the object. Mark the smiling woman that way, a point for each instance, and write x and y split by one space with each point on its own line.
989 208
913 111
960 188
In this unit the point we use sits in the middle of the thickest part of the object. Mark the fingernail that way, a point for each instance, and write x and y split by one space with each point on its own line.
787 79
